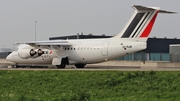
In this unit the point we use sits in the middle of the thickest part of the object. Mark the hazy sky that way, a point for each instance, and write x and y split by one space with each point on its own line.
69 17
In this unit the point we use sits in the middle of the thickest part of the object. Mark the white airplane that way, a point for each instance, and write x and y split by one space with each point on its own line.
80 52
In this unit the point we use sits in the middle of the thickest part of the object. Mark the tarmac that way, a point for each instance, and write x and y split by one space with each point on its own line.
109 65
96 68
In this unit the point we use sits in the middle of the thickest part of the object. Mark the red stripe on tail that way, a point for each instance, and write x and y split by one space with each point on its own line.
149 26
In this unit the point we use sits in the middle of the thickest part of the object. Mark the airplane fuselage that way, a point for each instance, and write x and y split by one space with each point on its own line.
85 51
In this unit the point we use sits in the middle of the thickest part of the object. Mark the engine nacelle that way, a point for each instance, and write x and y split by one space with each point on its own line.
29 53
40 52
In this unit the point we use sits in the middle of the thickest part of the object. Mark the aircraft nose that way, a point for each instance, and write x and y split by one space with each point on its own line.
9 57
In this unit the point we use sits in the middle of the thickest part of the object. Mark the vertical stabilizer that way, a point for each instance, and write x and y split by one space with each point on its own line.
140 24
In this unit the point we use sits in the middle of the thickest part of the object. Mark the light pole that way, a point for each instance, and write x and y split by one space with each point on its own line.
35 30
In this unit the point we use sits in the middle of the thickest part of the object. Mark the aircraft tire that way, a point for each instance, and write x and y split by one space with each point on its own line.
80 65
61 66
16 66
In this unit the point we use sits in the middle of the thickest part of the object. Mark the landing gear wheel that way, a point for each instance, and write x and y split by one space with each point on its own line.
16 66
79 65
61 66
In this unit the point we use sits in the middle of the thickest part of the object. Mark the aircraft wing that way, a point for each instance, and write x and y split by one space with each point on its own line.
55 44
48 42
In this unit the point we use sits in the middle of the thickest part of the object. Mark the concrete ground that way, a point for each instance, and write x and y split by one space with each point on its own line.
109 65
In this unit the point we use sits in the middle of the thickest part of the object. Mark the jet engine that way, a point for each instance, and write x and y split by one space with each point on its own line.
29 53
40 52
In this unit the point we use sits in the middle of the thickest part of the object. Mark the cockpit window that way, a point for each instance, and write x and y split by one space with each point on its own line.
22 46
16 49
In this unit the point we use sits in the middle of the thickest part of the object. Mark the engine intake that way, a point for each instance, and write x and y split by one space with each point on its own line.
30 53
40 52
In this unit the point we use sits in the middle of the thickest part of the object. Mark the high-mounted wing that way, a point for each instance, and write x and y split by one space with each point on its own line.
47 44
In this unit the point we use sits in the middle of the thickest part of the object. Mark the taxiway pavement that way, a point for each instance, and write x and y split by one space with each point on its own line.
98 68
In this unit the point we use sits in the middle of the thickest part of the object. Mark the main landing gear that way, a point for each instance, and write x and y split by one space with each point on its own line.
64 62
80 65
61 66
77 66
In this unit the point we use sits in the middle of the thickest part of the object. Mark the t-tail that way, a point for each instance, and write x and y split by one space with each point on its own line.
140 24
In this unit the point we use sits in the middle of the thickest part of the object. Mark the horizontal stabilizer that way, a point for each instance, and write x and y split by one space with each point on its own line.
163 11
144 8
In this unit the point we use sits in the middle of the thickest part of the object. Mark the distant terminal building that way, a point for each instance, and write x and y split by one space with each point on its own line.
157 48
4 52
174 51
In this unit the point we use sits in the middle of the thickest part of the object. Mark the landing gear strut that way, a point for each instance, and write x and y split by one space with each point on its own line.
64 62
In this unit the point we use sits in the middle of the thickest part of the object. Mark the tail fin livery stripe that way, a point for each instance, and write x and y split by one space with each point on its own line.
144 24
149 26
132 25
146 15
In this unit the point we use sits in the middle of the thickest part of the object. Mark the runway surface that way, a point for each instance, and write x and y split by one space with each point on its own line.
98 68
